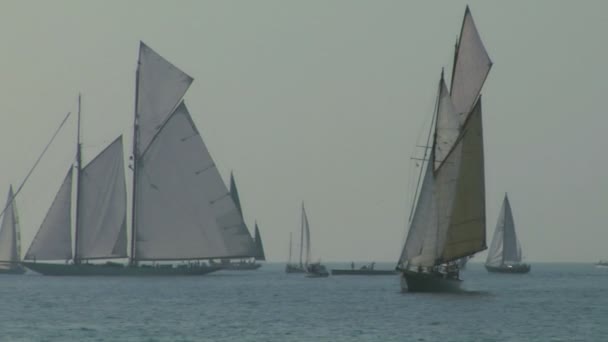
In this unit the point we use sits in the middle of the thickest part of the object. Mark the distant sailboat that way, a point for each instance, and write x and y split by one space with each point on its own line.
292 267
504 255
10 239
181 208
448 219
313 269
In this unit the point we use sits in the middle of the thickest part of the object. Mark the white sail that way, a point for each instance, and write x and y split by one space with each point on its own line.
184 210
447 128
53 241
466 233
423 226
260 255
505 247
161 86
306 229
103 205
9 235
471 68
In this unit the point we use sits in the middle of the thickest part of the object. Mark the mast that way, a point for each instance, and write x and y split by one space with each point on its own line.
78 182
301 233
290 244
135 157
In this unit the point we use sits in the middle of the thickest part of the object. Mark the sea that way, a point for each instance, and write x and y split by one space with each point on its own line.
554 302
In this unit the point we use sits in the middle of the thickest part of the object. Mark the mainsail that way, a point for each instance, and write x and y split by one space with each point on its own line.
259 247
449 218
10 244
182 208
505 247
54 238
103 204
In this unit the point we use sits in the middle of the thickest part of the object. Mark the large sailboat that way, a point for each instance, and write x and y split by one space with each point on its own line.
10 238
447 221
181 208
244 264
504 255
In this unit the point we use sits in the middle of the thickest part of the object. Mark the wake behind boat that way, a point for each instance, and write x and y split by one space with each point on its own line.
447 221
504 255
181 208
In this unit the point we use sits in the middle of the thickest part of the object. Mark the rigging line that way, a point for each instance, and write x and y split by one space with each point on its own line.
36 163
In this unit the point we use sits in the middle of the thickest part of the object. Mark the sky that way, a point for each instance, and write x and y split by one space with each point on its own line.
324 102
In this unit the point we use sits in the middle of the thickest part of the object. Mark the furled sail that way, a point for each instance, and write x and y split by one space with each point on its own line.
161 86
505 247
466 233
471 67
184 210
9 235
259 247
53 241
103 205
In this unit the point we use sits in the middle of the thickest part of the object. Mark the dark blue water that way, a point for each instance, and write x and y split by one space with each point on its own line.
555 302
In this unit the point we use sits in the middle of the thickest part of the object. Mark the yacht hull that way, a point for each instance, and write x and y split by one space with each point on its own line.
412 281
117 269
520 268
240 267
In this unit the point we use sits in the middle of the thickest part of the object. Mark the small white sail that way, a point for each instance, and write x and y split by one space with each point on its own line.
161 86
260 255
9 235
184 210
53 241
505 247
467 230
103 206
471 68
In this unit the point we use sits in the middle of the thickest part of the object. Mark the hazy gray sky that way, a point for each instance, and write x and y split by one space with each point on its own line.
324 101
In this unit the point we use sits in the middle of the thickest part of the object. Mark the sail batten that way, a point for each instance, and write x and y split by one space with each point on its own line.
103 203
53 241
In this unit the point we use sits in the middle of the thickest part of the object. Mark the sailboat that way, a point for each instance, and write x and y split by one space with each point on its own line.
181 208
504 255
447 221
10 239
292 267
313 269
244 264
302 265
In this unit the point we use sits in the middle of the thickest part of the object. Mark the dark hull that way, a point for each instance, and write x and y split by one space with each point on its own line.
14 270
363 272
117 270
317 275
240 267
428 282
521 268
294 269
